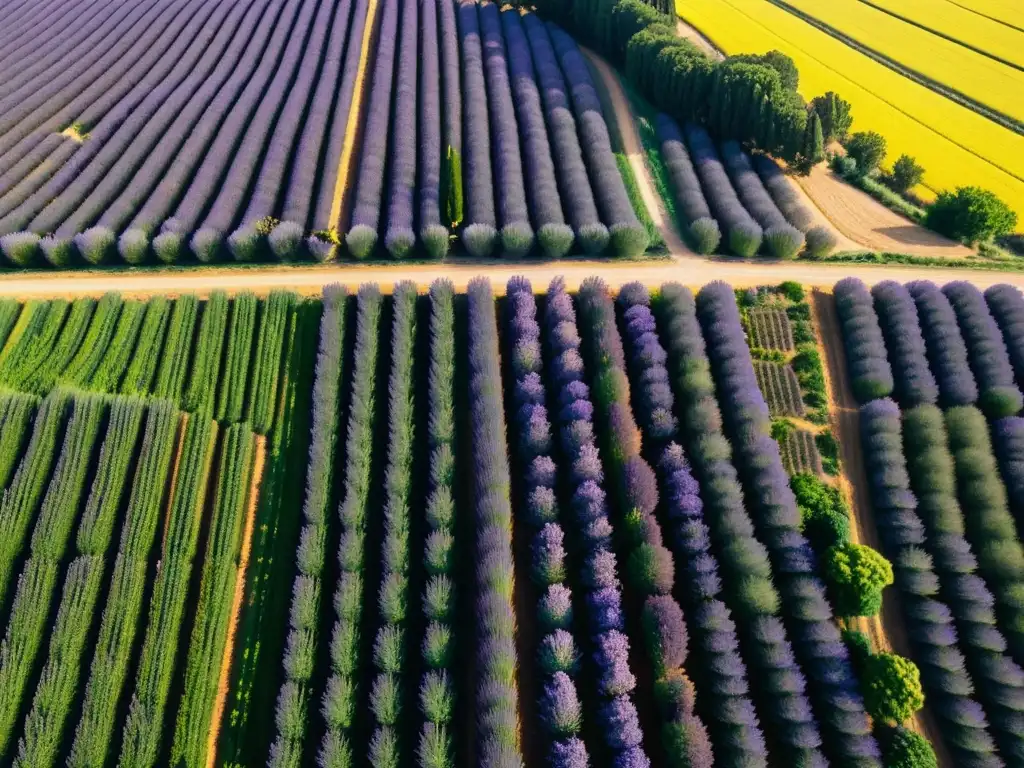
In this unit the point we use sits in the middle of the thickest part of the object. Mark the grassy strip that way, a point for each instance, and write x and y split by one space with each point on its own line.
138 379
145 723
34 345
34 595
205 368
108 374
266 364
209 631
58 684
435 747
17 412
293 700
31 316
94 346
10 309
41 380
120 620
906 259
249 727
235 376
341 696
389 649
25 493
170 378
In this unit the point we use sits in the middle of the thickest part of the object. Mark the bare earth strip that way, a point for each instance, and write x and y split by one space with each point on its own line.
694 36
887 631
863 219
236 603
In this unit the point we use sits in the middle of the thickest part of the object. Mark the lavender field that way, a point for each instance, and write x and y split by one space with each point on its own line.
208 130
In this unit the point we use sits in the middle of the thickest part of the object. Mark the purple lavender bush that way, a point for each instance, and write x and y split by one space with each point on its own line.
947 352
1006 304
913 382
870 372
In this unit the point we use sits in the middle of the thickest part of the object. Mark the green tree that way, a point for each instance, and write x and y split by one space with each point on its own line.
778 61
970 214
453 208
823 511
892 688
835 115
906 173
868 149
813 150
857 575
903 748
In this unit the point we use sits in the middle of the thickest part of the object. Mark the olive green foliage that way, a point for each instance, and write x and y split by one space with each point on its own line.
234 379
857 574
828 449
906 173
892 688
216 596
102 327
867 149
9 311
971 214
17 411
266 363
32 341
143 729
108 374
452 179
138 379
824 515
115 642
205 369
41 380
813 150
170 379
903 748
835 115
778 61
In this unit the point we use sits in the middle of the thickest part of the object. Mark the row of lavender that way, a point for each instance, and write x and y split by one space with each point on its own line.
727 194
539 170
930 365
248 103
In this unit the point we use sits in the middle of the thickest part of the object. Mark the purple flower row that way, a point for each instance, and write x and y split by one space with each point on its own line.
932 632
870 372
615 682
560 708
947 352
999 680
819 648
497 697
1007 306
428 173
302 619
913 382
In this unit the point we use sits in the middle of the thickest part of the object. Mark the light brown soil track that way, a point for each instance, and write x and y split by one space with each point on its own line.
693 34
259 460
864 220
886 631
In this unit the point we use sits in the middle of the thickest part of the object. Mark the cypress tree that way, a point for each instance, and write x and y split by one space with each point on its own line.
453 189
813 151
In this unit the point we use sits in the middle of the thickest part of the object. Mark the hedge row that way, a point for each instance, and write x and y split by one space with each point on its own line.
121 613
913 382
739 573
821 652
292 709
437 688
143 734
933 636
558 654
999 681
590 533
34 595
947 352
341 693
870 371
497 696
386 696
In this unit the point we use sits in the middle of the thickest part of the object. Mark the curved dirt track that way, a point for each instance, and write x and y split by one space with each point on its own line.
863 219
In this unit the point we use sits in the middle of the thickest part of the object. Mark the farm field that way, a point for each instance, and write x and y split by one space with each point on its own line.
1004 11
955 21
980 78
511 510
955 145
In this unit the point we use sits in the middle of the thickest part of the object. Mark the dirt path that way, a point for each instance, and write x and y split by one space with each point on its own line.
887 631
692 34
861 218
634 150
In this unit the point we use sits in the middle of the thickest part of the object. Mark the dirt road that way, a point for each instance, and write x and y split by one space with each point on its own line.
887 631
694 36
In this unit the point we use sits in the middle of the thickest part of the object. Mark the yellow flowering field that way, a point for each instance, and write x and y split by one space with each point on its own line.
957 22
979 77
1007 11
956 146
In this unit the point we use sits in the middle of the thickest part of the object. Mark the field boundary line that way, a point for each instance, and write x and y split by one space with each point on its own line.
354 124
224 679
943 35
986 16
886 629
1000 118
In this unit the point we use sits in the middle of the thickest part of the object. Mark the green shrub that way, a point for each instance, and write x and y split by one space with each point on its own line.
361 240
824 515
133 246
892 688
244 244
479 240
20 248
903 748
857 575
705 235
820 241
167 247
435 241
555 240
867 148
516 239
906 173
593 238
628 241
744 241
970 214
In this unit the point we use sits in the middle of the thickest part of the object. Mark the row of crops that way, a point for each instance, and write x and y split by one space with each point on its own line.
143 454
939 372
256 130
734 202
